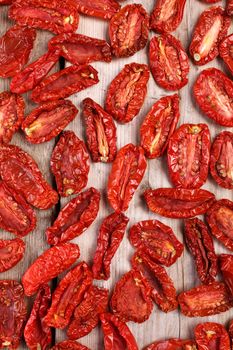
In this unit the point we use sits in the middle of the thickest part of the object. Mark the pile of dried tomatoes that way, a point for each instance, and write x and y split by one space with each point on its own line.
77 304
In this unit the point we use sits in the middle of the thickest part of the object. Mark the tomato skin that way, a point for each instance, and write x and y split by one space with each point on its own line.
226 267
225 50
11 252
69 345
210 335
229 8
104 9
211 84
166 51
188 156
172 344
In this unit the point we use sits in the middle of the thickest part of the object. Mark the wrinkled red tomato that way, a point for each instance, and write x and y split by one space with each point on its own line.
226 266
104 9
210 335
69 345
168 62
172 344
5 2
11 252
188 155
226 50
229 8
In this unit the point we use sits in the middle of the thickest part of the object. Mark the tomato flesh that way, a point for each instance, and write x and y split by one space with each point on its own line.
226 51
212 336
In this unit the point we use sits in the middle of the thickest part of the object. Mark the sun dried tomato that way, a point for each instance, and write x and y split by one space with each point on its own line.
68 294
20 172
86 314
213 92
210 335
127 172
163 291
65 83
226 266
5 2
230 330
211 28
229 8
200 244
117 335
104 9
178 202
131 298
226 51
75 217
188 155
205 300
48 265
70 164
11 252
69 345
172 344
110 235
157 240
168 62
36 334
34 73
127 92
167 15
58 16
100 132
13 313
15 47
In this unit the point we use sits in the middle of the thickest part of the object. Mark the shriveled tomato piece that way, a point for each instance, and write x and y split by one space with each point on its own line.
104 9
11 252
226 266
157 240
229 8
230 330
188 155
213 92
5 2
226 50
212 336
210 29
169 62
69 345
172 344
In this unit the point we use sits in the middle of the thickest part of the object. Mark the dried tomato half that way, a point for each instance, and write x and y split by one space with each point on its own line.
230 330
58 16
65 83
48 265
37 334
172 344
168 62
220 221
167 15
213 92
68 294
11 252
20 172
157 240
127 92
131 298
188 155
13 313
117 335
104 9
226 50
75 217
5 2
159 125
210 335
127 172
178 202
226 266
211 28
229 8
205 300
69 345
70 164
15 47
110 235
100 132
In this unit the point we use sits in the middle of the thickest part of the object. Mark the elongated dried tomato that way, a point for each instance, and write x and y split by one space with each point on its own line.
226 266
213 92
34 73
211 28
15 47
86 314
210 335
65 83
58 16
69 345
13 313
168 62
163 291
100 132
167 15
229 8
11 252
157 240
75 217
158 126
104 9
117 335
200 244
226 50
127 172
205 300
188 155
48 265
20 172
37 334
127 92
178 202
70 164
110 235
131 298
172 344
68 294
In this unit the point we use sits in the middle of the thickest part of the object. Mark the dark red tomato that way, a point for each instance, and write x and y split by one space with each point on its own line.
213 92
230 330
172 344
226 267
168 62
226 50
69 345
212 336
5 2
229 8
11 252
188 155
104 9
210 29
